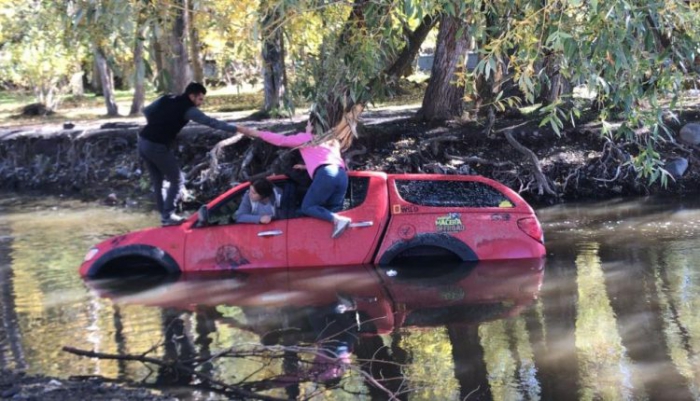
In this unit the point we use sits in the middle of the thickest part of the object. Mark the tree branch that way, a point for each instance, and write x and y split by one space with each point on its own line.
542 181
144 359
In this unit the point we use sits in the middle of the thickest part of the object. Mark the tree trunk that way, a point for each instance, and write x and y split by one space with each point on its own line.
414 40
179 71
555 84
161 73
105 74
443 99
195 45
96 82
273 62
76 84
485 87
140 73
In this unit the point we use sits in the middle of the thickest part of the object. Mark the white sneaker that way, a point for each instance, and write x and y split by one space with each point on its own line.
172 220
340 224
345 304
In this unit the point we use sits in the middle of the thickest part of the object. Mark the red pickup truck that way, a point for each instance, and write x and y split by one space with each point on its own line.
396 219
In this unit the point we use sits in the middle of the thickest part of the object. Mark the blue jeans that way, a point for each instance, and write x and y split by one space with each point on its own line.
326 193
162 164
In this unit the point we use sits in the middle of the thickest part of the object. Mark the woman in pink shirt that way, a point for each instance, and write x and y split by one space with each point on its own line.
326 168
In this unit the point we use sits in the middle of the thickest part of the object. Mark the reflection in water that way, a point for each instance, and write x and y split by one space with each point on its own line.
615 316
509 360
625 255
677 303
325 315
605 370
11 350
48 239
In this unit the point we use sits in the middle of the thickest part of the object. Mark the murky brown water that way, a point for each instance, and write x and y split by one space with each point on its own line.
611 314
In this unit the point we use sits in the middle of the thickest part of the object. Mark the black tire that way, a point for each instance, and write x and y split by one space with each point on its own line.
428 248
133 260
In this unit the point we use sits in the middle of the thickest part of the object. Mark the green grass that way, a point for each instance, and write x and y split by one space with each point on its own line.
243 100
92 107
11 99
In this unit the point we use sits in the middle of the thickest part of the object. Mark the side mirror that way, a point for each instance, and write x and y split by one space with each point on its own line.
202 216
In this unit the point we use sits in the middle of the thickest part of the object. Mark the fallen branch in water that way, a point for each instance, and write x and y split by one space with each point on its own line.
176 365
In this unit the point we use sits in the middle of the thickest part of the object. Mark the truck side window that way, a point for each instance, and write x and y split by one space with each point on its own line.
356 193
223 213
451 193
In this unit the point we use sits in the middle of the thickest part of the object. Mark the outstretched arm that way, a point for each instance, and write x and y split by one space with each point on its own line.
196 115
287 141
250 132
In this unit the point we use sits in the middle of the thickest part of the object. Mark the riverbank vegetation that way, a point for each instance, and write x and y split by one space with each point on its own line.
506 78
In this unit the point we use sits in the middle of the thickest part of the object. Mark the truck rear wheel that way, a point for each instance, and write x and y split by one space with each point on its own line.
428 248
425 253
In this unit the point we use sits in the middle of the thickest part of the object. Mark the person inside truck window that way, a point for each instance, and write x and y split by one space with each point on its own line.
259 204
324 164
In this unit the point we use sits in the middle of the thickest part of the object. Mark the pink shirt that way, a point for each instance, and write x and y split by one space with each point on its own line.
314 155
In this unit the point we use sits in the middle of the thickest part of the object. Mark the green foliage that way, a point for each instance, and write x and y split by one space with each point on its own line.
648 165
231 39
629 54
108 25
37 56
350 48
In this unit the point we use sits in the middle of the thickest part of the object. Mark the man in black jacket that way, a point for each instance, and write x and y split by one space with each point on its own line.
165 117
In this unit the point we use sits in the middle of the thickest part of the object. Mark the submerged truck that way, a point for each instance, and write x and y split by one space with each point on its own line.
397 219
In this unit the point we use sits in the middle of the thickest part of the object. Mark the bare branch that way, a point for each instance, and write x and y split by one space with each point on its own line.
144 359
479 160
542 181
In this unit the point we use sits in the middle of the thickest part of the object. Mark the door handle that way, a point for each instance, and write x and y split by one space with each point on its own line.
362 224
271 233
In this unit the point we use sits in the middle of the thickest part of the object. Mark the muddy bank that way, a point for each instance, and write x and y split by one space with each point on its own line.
101 163
21 387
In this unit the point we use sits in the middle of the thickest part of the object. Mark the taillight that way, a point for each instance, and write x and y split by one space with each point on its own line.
531 227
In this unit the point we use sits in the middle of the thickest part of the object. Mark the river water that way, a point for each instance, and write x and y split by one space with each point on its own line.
610 314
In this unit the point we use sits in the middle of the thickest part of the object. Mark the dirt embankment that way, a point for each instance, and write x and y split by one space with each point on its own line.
94 162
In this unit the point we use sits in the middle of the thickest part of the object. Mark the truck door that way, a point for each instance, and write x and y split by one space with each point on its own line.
309 242
223 244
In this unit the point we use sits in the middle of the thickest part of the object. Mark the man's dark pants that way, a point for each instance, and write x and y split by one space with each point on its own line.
162 164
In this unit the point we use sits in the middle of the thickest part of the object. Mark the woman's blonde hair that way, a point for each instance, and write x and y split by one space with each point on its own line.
345 131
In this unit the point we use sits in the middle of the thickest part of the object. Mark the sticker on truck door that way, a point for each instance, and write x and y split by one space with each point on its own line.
407 231
450 223
229 257
398 209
